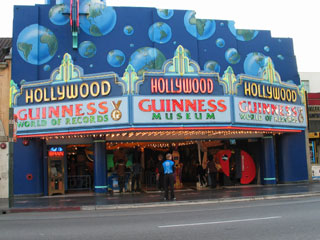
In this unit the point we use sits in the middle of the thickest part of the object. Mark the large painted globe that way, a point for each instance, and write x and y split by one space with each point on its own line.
254 63
37 44
99 20
87 49
160 32
116 58
57 16
146 59
242 34
199 28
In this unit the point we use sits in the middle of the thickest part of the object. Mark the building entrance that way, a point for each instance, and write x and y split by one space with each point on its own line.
237 161
79 167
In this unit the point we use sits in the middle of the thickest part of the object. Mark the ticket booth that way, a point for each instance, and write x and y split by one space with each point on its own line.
56 171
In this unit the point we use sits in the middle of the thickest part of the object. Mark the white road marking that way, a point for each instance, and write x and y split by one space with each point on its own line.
210 223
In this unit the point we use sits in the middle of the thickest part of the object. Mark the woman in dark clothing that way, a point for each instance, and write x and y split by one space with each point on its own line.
121 171
159 173
212 170
201 174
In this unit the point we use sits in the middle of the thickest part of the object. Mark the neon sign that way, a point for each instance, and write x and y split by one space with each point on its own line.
56 152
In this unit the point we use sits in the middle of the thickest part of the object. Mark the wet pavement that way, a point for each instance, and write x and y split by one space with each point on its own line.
91 201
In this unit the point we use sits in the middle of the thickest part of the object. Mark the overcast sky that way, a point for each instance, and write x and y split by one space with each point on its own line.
298 20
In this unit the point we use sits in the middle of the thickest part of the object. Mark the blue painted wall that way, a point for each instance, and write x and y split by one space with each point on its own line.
28 160
214 44
292 164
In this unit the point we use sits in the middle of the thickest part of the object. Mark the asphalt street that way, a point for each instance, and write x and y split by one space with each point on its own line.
285 219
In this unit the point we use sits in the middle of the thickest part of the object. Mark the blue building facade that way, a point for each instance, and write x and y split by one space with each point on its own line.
87 73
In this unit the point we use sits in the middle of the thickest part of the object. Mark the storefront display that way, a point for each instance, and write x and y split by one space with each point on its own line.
135 87
246 163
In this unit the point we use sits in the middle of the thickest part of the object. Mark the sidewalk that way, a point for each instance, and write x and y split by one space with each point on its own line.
91 201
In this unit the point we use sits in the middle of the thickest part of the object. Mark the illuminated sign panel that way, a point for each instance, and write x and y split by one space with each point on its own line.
255 111
180 94
173 109
202 84
68 115
56 152
69 101
269 92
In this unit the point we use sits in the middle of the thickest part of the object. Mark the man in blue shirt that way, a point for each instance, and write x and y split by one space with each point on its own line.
168 169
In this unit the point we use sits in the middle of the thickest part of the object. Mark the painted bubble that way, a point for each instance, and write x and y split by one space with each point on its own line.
220 42
266 48
254 63
146 59
58 14
128 30
116 58
165 13
281 57
46 68
160 32
37 44
199 28
87 49
242 34
212 66
232 56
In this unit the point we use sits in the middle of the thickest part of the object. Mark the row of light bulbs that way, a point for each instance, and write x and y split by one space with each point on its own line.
163 133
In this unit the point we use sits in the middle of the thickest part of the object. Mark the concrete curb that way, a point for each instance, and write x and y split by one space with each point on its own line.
41 209
157 204
195 202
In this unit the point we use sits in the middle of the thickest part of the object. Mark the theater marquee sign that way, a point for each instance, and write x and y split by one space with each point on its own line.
179 94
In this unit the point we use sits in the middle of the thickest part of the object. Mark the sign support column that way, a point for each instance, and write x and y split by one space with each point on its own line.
268 163
100 168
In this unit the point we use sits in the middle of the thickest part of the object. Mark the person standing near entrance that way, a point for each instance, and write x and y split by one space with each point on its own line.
136 170
168 169
212 171
159 173
121 171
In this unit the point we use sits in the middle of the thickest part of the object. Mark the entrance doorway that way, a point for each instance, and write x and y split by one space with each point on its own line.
238 164
79 168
